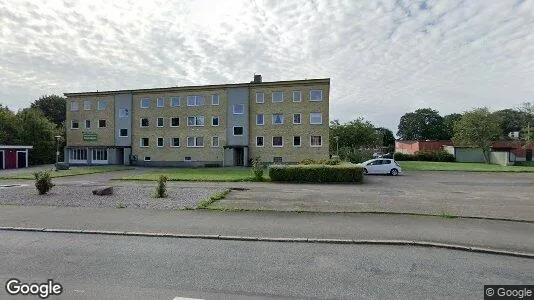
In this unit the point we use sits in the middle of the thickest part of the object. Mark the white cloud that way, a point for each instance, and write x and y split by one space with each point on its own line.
385 58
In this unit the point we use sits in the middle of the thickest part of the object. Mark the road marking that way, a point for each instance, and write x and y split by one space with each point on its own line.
182 298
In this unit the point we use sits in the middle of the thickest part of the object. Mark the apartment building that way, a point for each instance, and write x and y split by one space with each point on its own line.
226 125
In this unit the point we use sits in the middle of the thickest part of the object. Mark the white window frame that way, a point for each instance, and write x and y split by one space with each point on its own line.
159 138
300 96
195 141
218 120
171 142
238 105
315 113
218 142
233 130
196 118
262 97
213 97
149 158
141 142
280 162
316 146
190 158
162 122
86 127
104 121
172 98
273 118
158 102
122 136
99 102
276 146
262 119
277 92
78 154
141 123
99 152
197 99
74 106
87 105
300 139
321 91
141 102
170 122
300 118
263 140
72 122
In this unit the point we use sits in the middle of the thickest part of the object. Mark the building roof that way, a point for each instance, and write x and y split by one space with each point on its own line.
15 147
197 87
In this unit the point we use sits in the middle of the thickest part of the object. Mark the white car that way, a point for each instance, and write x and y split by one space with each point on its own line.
381 166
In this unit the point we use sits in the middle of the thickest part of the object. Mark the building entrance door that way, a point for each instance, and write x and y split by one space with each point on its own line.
239 157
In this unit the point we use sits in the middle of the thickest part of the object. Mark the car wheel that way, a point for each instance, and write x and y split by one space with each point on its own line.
365 171
394 172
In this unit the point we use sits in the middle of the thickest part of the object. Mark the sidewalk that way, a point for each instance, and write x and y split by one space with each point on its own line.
502 235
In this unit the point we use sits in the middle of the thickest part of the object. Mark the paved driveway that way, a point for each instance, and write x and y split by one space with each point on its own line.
495 195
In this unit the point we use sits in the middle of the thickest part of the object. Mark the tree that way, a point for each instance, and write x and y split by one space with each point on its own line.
423 124
477 128
53 108
387 138
448 125
511 120
356 139
9 127
37 131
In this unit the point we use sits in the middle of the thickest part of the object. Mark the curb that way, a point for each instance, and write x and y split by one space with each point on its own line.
279 239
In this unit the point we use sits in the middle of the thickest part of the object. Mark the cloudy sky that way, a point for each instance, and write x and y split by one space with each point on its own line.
384 58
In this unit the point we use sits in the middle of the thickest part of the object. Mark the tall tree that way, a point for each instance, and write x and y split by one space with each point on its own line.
9 127
387 138
38 132
423 124
511 120
53 108
448 125
477 128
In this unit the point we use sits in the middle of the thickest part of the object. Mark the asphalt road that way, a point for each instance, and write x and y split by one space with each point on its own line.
114 267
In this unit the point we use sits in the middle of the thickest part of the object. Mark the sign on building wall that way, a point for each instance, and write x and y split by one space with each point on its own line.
90 136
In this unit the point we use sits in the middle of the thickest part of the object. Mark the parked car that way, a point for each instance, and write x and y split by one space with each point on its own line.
381 166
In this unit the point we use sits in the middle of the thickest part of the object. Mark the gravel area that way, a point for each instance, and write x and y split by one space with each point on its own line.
133 196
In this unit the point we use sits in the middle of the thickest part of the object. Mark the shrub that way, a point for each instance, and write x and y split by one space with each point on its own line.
354 155
257 169
316 173
161 188
524 163
311 161
43 182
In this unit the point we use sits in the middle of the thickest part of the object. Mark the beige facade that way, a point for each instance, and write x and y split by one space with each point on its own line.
147 127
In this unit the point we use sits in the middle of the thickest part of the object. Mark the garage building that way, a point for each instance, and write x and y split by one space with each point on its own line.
14 157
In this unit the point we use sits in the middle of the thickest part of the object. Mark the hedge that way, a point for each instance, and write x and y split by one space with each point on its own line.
311 161
316 173
425 156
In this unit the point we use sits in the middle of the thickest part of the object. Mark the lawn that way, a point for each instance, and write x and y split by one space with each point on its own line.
456 166
198 174
73 171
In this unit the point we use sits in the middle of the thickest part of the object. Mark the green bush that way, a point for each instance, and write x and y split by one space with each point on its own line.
311 161
257 169
316 173
161 187
442 155
43 182
524 163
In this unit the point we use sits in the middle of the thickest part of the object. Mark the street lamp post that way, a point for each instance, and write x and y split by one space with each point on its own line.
58 137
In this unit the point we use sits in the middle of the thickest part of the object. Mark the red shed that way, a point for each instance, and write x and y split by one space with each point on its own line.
14 157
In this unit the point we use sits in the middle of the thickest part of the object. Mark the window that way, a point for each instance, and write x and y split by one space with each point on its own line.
195 141
297 118
278 97
278 141
316 141
160 142
296 96
101 123
259 119
175 101
238 130
175 122
239 109
160 102
78 154
260 97
102 104
316 95
144 142
145 103
215 99
215 141
100 154
160 122
277 159
144 122
296 141
87 124
74 124
123 113
316 118
86 105
195 100
187 158
147 158
123 132
214 121
74 106
195 121
278 119
175 142
259 141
